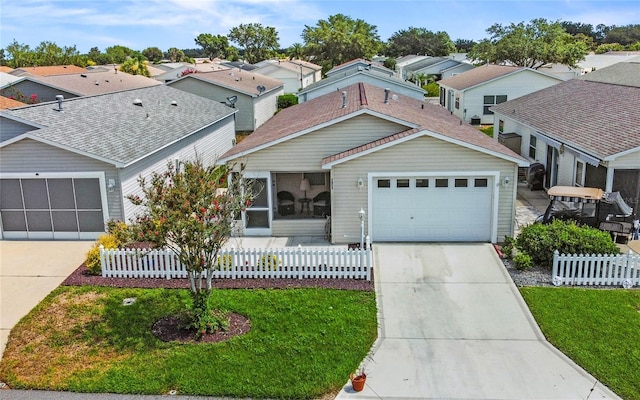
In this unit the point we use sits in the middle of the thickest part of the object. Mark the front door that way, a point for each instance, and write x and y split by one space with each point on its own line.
257 217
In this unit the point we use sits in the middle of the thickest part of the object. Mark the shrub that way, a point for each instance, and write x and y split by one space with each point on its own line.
507 246
540 241
287 100
269 261
522 261
92 261
120 230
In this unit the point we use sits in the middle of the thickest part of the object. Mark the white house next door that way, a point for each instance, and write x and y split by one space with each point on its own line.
432 208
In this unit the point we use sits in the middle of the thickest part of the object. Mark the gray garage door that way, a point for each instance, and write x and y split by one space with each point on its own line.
51 208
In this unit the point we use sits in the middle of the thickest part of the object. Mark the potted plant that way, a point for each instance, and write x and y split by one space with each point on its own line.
358 380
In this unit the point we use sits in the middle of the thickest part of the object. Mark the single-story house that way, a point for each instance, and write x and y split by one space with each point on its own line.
87 83
436 66
586 131
471 94
417 172
350 76
48 70
295 74
255 96
66 166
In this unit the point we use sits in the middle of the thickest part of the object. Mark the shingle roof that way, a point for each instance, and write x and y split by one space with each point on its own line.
477 76
6 102
49 70
111 128
622 73
374 73
242 81
368 98
599 118
98 82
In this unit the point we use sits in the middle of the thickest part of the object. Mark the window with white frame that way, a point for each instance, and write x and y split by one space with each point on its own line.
500 126
580 172
457 102
533 142
490 101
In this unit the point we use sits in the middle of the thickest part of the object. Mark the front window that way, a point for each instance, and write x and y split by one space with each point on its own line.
457 102
533 141
490 101
500 126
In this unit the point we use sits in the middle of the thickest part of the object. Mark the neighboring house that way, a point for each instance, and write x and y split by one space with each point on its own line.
66 167
471 94
177 70
405 61
255 96
48 70
417 172
295 74
357 64
585 131
6 78
87 83
348 77
5 69
441 67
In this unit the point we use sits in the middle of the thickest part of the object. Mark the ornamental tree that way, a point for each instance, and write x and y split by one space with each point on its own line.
192 212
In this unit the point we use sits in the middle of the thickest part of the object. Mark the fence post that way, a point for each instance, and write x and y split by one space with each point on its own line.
102 261
554 270
369 266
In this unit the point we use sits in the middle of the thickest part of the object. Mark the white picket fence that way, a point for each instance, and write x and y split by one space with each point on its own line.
592 269
235 263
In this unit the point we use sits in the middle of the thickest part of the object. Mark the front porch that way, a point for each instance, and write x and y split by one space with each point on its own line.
301 196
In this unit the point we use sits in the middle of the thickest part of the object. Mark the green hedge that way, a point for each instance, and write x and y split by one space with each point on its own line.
287 100
540 241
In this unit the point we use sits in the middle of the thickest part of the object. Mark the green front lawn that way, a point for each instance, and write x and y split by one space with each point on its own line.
598 329
303 343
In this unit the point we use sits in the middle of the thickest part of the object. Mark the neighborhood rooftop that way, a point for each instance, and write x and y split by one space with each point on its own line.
99 82
366 98
240 80
48 70
478 75
121 127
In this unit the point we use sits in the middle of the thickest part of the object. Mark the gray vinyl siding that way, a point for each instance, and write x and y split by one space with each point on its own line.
244 105
31 157
300 227
422 154
265 106
629 161
305 153
208 144
27 88
10 129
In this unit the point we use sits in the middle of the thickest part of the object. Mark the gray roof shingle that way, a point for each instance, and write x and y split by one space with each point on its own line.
111 128
599 118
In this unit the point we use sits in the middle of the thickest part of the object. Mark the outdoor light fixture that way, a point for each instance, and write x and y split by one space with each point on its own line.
111 184
506 181
360 183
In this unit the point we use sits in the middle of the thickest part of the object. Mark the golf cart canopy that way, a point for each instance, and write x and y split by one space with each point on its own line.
575 194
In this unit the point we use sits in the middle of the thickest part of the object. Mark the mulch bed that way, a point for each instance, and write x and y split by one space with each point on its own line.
168 329
81 277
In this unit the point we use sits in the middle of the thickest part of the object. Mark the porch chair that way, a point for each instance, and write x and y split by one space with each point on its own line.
322 205
286 203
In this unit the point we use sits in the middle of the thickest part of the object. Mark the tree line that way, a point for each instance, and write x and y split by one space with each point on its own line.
340 38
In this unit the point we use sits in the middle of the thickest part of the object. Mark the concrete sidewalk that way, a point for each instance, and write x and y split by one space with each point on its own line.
454 326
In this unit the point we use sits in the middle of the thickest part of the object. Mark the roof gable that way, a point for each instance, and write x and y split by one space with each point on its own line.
237 80
333 79
364 98
49 70
478 76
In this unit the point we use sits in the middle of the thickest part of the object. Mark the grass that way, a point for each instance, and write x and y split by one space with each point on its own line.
303 343
487 130
598 329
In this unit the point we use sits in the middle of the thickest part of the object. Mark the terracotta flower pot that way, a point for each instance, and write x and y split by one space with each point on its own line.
358 381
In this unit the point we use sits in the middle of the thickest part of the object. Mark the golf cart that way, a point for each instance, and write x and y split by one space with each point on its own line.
606 211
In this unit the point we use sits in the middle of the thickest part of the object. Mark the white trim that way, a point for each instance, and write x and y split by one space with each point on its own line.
621 154
53 175
519 162
494 175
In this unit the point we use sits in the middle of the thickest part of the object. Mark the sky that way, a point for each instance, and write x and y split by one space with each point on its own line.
139 24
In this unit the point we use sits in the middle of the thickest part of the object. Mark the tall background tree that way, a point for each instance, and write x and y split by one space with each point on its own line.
259 42
136 65
339 39
532 45
186 212
213 46
175 55
153 54
419 41
118 54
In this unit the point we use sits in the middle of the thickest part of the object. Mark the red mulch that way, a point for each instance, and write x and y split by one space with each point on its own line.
168 329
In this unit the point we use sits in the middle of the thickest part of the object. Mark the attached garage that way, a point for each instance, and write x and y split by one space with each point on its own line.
52 206
449 208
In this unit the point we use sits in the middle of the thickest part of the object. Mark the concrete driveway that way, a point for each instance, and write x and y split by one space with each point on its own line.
453 326
29 271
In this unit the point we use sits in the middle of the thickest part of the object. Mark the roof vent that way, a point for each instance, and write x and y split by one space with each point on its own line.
386 95
344 99
174 103
83 75
137 102
97 83
59 98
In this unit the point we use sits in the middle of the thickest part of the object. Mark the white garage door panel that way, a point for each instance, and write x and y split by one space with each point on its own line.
432 213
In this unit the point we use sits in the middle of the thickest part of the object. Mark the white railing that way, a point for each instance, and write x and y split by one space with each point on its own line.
608 269
233 263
